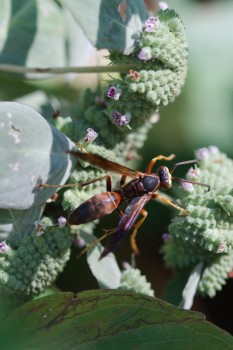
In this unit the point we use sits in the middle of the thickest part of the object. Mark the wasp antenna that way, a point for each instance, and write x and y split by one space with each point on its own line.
183 163
191 182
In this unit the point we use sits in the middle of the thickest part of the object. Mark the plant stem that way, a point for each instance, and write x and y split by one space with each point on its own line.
121 68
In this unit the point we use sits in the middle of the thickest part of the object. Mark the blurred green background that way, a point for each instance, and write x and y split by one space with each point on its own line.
203 114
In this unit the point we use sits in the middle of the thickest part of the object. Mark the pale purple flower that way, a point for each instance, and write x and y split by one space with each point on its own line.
163 5
152 24
166 237
213 149
221 248
126 265
40 228
90 136
202 153
79 242
154 118
145 54
4 247
187 186
120 119
114 93
193 173
61 221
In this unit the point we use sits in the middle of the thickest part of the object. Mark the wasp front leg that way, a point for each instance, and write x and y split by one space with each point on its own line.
167 201
153 161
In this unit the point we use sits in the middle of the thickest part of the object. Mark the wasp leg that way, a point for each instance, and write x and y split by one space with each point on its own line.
153 161
106 177
93 244
133 243
167 201
123 179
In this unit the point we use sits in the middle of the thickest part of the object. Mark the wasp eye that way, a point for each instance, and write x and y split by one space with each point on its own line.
165 178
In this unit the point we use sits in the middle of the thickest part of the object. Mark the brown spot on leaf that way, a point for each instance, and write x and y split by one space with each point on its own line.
122 8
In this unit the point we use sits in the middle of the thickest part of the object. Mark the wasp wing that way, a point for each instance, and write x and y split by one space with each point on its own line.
126 222
105 164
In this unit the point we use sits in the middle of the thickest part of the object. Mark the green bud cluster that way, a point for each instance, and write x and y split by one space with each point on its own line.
30 269
206 234
160 78
96 116
90 111
216 274
132 279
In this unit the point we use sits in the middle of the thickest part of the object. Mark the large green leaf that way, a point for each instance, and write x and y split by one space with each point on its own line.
112 320
15 224
31 33
32 152
114 25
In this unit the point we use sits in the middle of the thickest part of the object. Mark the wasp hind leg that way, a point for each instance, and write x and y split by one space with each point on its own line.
133 243
93 244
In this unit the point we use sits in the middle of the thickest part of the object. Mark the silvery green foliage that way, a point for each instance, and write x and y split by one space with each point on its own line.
30 269
32 152
132 279
156 79
206 234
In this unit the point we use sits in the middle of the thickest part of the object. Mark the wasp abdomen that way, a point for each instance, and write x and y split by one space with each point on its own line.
95 208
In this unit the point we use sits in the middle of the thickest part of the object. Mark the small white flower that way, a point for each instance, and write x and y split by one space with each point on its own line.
114 93
79 242
90 136
163 5
202 153
40 228
4 247
213 149
61 221
121 119
187 186
152 24
193 173
221 248
145 54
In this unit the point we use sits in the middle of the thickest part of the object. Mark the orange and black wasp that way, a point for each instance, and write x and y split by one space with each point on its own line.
137 192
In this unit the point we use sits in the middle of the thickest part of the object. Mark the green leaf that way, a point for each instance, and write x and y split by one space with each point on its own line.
112 320
31 33
106 270
190 288
32 152
15 224
114 25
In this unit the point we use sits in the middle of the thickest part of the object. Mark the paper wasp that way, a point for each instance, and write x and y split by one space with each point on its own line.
137 193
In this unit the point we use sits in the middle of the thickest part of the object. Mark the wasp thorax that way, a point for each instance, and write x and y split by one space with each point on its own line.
165 178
